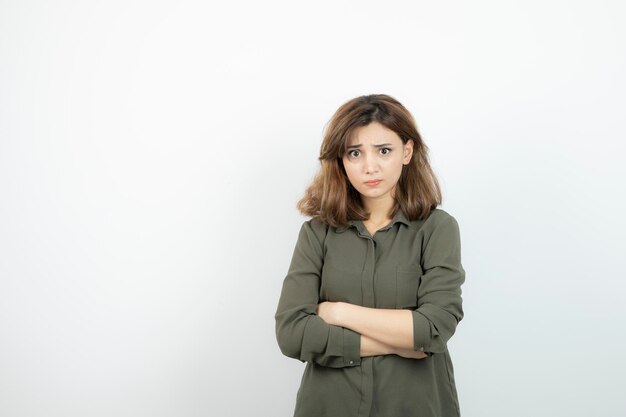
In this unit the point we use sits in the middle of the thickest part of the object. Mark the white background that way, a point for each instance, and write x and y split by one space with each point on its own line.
152 152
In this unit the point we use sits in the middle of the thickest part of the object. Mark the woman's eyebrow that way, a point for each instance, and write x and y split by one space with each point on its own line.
376 146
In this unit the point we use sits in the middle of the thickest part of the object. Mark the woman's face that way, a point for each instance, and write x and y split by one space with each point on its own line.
376 153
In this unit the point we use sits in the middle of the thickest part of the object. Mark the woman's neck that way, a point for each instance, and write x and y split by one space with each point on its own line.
379 211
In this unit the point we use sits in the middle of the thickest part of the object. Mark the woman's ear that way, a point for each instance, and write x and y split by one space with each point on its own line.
408 151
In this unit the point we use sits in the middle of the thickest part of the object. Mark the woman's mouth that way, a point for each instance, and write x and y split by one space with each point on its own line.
373 183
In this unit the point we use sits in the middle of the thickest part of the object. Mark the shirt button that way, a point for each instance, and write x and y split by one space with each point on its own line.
351 362
422 348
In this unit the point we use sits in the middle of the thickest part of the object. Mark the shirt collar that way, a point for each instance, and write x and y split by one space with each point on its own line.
399 217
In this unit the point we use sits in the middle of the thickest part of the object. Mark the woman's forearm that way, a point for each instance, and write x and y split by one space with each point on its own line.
373 347
392 327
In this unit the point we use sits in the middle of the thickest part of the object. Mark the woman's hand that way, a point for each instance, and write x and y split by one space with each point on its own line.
330 312
410 353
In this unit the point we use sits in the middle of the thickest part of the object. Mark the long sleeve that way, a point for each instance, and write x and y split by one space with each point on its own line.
439 302
300 332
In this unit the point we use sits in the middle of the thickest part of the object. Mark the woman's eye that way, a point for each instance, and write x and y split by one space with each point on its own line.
351 153
386 153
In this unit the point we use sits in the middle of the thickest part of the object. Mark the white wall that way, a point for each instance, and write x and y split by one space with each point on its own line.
151 155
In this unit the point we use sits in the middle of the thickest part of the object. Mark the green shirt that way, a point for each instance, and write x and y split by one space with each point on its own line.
414 265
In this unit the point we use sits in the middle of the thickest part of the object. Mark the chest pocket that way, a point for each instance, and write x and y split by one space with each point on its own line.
408 278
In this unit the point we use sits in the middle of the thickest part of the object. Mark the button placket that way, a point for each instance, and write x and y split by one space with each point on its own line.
367 284
367 290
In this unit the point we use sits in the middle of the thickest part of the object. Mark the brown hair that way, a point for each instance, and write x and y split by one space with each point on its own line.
332 199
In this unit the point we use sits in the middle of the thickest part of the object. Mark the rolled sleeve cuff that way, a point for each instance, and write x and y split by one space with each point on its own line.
422 336
351 347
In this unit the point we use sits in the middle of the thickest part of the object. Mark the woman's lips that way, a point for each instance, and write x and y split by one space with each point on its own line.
373 183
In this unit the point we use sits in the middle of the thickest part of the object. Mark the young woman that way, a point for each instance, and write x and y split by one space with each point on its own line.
373 291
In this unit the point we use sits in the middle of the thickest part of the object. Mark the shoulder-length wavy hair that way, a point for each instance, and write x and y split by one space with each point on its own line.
332 199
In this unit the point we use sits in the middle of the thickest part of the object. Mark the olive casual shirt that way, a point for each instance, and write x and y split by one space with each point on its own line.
414 265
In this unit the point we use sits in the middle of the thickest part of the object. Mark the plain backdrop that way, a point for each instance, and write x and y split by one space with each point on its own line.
152 153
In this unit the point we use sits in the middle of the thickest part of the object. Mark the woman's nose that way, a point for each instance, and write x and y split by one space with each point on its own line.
371 164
